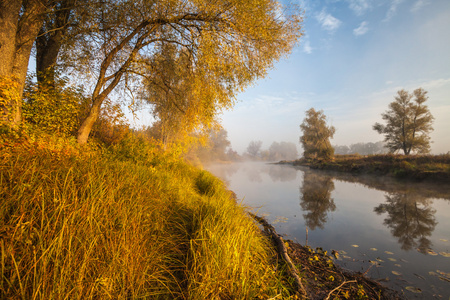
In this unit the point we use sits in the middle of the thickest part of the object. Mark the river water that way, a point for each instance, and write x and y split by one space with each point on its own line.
396 232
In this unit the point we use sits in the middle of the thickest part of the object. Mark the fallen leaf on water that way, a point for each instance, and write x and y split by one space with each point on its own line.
432 273
380 260
413 289
373 249
443 240
343 252
388 252
398 266
346 257
418 276
392 259
444 279
431 252
355 246
396 273
445 254
443 273
403 260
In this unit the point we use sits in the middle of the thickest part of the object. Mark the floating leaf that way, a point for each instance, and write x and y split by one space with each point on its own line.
443 278
335 254
343 252
396 273
392 259
398 266
418 276
443 240
380 260
373 262
413 289
346 257
431 252
373 249
432 273
443 273
403 260
445 254
355 246
388 252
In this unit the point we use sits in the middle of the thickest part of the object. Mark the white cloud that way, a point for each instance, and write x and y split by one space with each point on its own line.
307 47
359 6
419 4
362 29
328 22
392 9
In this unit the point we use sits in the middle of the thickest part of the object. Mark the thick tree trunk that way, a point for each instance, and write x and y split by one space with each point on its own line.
88 123
50 39
20 23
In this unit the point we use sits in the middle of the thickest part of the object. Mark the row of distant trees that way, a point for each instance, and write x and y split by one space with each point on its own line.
362 148
407 128
276 152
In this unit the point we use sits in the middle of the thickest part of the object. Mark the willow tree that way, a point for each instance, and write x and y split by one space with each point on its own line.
20 22
230 44
409 123
316 136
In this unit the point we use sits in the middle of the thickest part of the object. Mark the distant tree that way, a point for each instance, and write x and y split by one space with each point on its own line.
254 148
408 123
342 150
282 151
316 136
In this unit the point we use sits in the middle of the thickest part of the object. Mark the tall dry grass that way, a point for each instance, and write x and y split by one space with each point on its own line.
125 223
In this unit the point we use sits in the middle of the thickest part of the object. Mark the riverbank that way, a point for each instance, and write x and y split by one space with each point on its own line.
132 221
419 168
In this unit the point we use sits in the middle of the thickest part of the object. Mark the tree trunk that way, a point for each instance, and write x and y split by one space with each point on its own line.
88 123
50 39
20 22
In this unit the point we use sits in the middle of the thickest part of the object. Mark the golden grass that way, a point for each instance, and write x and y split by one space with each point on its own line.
127 223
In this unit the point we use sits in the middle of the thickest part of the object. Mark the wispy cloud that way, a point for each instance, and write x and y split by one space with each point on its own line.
328 22
362 29
359 6
307 47
392 9
419 4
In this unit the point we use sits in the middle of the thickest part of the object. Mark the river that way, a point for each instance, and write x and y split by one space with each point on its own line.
397 232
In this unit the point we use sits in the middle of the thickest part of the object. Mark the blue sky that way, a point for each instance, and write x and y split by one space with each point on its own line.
354 56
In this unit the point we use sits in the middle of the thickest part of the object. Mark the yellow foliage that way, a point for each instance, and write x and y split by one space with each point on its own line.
54 109
9 98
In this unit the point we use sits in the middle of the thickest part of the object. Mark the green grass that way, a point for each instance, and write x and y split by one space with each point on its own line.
124 223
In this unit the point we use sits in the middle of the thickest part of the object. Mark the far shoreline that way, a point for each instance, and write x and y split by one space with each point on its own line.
433 168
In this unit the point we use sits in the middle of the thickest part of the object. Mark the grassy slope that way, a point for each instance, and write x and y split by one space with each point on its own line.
128 223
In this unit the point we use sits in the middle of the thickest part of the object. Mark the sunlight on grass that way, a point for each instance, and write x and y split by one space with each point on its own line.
123 223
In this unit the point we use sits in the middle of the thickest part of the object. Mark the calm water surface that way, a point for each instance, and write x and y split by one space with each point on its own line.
397 232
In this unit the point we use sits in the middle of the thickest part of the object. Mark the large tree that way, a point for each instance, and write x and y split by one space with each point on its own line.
20 22
230 44
316 136
408 123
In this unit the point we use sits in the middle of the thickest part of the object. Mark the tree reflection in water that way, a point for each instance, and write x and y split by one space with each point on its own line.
315 199
410 218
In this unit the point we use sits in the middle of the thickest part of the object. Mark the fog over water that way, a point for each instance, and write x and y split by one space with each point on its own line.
399 232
